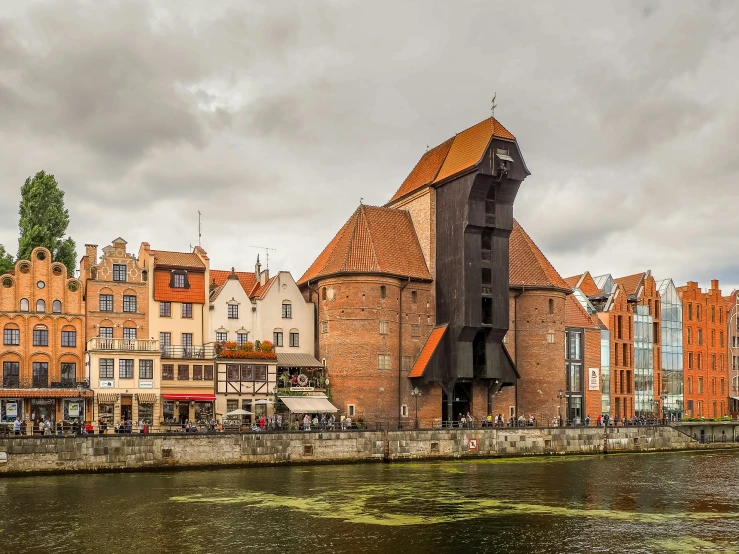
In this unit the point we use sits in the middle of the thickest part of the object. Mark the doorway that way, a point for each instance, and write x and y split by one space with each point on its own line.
126 408
461 402
184 411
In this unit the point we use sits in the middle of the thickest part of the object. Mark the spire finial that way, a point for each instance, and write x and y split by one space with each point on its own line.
360 201
493 105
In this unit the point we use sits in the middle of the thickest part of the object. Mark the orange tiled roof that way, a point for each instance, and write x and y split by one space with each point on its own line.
259 291
630 282
427 351
459 153
374 240
177 259
572 281
527 265
164 293
247 279
575 314
588 286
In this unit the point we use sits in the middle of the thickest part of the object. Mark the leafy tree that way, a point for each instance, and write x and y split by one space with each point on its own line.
44 220
6 261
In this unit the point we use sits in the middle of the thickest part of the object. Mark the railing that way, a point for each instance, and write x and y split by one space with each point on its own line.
126 345
189 352
43 383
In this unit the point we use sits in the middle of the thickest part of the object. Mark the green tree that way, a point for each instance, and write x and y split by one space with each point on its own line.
6 261
44 220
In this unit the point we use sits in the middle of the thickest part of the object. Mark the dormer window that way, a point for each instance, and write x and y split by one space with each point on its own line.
178 280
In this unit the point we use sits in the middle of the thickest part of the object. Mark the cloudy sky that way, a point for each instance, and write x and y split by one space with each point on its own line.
274 118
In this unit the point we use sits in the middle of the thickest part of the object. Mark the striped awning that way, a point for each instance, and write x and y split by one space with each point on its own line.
107 397
146 398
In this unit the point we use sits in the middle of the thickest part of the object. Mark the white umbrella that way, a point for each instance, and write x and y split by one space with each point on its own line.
238 412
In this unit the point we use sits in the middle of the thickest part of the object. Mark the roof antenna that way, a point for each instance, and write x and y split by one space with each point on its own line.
266 250
200 229
493 105
360 201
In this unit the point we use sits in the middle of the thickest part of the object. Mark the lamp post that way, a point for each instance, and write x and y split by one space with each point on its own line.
663 397
560 395
416 393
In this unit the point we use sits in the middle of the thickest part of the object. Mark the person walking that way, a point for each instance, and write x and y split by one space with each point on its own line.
17 426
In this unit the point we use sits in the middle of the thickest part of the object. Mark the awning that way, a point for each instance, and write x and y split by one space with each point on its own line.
735 398
191 397
146 398
427 352
286 359
308 404
107 397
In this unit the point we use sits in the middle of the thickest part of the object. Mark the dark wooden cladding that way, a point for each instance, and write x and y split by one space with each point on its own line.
474 219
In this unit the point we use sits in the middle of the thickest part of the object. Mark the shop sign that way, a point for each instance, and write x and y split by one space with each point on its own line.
593 379
303 389
43 401
11 409
146 384
74 409
107 384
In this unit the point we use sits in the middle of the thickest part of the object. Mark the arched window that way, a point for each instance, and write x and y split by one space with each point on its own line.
551 306
383 292
24 304
56 307
323 293
40 306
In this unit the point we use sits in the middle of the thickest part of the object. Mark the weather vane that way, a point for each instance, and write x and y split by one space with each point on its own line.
493 105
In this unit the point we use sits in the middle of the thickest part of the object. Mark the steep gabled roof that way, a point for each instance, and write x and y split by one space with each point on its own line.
374 240
631 282
575 314
585 283
427 351
528 266
177 259
219 277
260 291
573 281
460 153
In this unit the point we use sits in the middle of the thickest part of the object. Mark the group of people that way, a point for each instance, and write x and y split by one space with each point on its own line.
325 422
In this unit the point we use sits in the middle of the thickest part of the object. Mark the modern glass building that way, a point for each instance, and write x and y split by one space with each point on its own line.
605 371
672 350
644 404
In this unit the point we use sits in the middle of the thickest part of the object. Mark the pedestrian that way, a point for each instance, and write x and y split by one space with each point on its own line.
587 421
17 426
306 423
261 423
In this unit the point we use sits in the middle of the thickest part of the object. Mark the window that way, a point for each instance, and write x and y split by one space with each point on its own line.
129 333
713 314
324 326
277 338
40 306
56 307
183 372
187 310
690 386
700 365
700 385
550 337
700 337
165 309
383 292
404 410
406 361
119 272
125 369
721 338
233 311
722 385
383 327
698 312
187 344
690 360
11 374
713 362
40 336
221 336
713 385
242 338
690 312
574 345
415 330
40 375
690 335
208 373
178 280
486 240
713 337
323 293
68 374
294 339
626 354
487 311
487 276
129 303
165 341
383 361
287 310
551 306
146 369
24 304
197 373
11 337
167 372
351 410
414 296
106 302
106 332
69 338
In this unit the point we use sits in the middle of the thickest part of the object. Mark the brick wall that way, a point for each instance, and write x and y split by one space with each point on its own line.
592 406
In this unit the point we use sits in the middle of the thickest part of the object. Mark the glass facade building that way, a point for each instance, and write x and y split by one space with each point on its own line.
672 350
605 371
574 365
644 404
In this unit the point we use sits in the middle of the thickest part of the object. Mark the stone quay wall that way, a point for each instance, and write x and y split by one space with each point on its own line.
29 455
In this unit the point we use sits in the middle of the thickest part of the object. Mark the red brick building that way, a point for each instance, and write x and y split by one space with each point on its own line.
732 343
707 378
582 363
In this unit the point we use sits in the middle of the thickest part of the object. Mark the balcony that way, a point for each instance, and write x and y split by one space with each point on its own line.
188 352
123 345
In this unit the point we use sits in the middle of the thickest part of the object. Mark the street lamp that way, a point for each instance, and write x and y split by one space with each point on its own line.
416 393
560 395
663 397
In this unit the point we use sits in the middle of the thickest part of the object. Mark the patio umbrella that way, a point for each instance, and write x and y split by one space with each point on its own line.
238 412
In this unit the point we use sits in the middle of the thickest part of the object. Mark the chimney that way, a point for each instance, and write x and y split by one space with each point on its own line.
91 251
257 269
264 277
714 284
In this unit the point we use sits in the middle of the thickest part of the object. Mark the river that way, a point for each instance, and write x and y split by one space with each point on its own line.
662 502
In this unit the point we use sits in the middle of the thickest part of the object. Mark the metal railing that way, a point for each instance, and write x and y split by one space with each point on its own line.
125 345
189 352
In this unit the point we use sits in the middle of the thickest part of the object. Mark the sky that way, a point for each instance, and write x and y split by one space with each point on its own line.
273 119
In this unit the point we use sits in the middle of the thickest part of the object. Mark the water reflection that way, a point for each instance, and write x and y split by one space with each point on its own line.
636 503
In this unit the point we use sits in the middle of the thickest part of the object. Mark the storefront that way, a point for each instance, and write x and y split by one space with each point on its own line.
11 408
180 408
73 409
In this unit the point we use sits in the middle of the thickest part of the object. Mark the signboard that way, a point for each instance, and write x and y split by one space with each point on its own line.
303 389
107 384
74 409
3 457
593 379
11 409
472 444
146 384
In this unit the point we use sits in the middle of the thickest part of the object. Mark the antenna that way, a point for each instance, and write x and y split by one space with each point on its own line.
266 249
200 228
493 105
